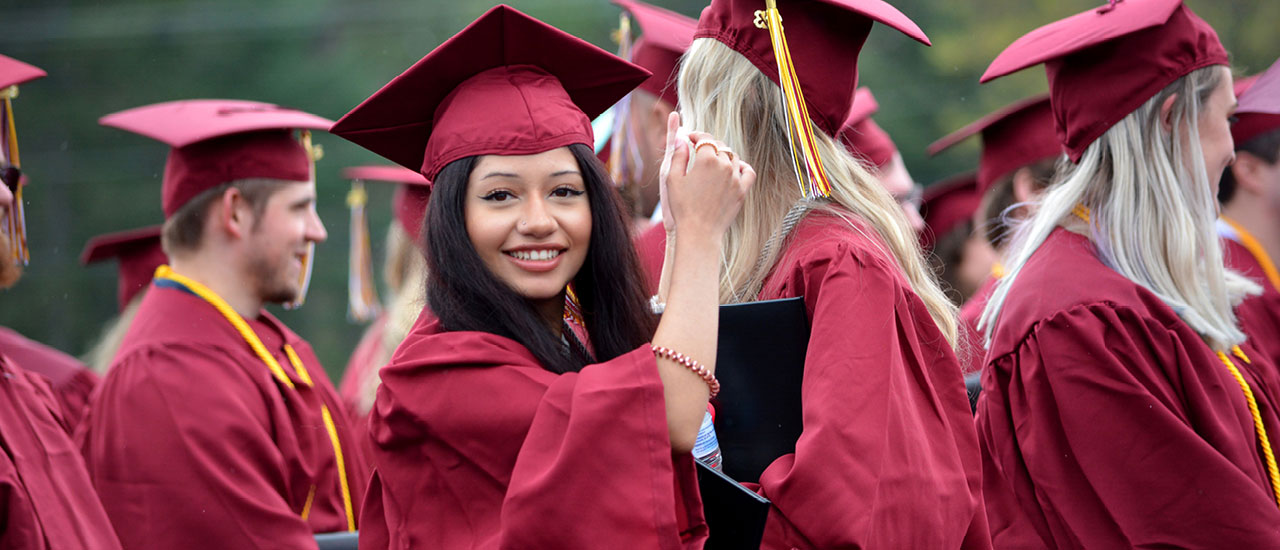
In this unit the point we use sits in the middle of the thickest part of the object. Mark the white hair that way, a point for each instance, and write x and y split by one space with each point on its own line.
1151 214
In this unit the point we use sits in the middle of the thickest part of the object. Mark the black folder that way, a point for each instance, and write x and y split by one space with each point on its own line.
735 514
760 364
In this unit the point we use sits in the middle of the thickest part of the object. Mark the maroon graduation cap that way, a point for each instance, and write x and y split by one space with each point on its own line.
506 84
825 37
947 204
215 141
14 72
862 135
1018 135
1104 63
666 36
137 253
1259 110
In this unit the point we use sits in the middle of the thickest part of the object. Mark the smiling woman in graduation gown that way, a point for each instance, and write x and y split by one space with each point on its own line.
1121 405
495 427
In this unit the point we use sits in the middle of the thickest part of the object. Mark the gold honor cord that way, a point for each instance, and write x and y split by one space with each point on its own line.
362 297
16 220
164 272
1251 244
1272 471
810 172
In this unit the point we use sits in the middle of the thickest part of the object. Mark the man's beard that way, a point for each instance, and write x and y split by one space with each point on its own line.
271 285
10 270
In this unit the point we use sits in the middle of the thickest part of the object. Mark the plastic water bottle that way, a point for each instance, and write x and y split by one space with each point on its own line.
707 448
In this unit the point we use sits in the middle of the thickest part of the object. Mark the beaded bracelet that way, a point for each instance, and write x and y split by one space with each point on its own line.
689 363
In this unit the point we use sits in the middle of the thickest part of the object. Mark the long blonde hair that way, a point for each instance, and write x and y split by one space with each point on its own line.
723 94
1151 213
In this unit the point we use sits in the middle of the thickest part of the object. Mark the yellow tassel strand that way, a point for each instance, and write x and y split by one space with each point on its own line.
1272 471
572 307
16 220
810 173
362 296
314 153
622 158
164 272
1260 255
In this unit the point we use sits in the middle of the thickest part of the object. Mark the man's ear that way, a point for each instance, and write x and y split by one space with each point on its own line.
1166 113
233 213
657 125
1024 185
1245 170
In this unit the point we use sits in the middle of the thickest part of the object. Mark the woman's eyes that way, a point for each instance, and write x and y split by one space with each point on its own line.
498 196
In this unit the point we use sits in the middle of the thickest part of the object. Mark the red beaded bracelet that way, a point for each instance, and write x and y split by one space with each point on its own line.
689 363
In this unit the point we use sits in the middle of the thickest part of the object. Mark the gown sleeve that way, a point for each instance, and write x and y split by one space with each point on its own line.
210 474
1102 432
599 439
888 457
541 461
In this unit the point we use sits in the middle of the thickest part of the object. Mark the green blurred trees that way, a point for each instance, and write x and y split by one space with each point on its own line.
325 56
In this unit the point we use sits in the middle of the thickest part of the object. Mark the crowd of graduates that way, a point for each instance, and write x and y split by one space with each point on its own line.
1075 345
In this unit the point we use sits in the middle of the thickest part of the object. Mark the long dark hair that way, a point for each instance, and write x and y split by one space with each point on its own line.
465 295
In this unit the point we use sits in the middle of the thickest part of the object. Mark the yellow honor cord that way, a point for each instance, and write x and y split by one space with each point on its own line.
250 337
1260 255
1272 471
342 467
810 172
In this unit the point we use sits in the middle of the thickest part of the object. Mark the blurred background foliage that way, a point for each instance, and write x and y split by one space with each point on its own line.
325 56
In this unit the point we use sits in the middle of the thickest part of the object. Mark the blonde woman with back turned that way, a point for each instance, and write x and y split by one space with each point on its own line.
888 457
1121 405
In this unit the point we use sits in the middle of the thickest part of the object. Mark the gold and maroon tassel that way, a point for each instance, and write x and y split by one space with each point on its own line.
810 173
315 153
362 296
15 221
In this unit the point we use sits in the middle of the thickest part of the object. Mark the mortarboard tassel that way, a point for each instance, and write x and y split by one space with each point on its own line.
362 297
15 222
315 153
810 173
617 138
572 308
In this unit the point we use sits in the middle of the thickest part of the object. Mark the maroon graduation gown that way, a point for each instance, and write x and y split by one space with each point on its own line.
194 444
1259 315
888 457
72 382
1106 422
46 498
477 446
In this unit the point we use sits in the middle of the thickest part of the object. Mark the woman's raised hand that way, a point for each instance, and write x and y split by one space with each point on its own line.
703 199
